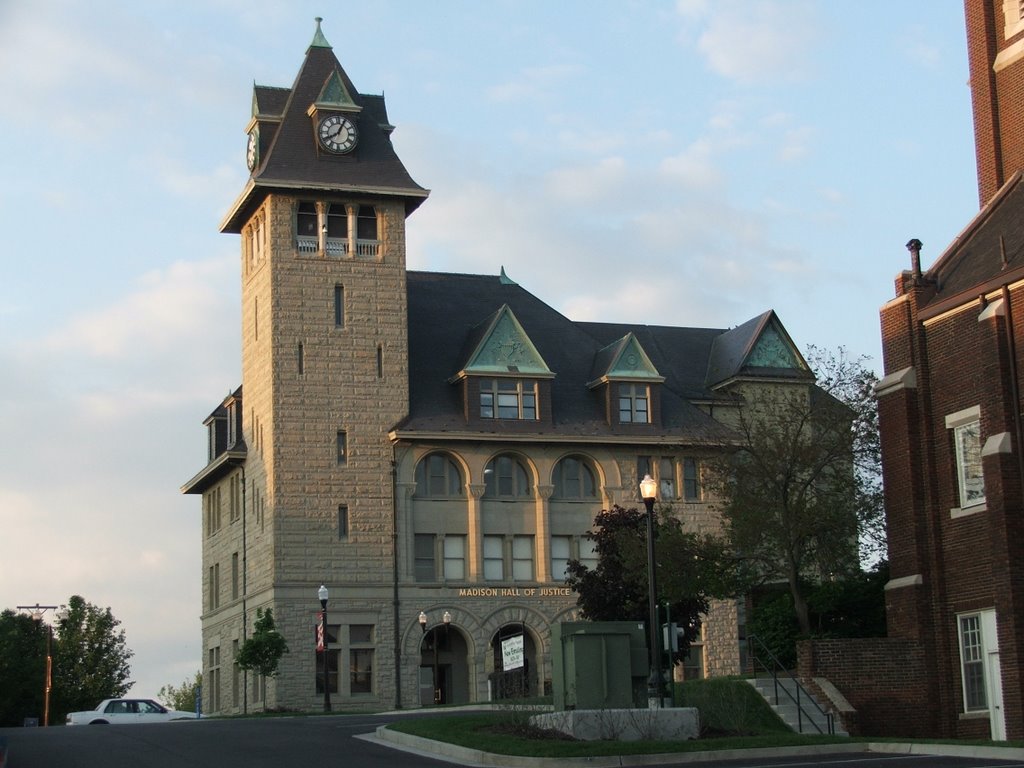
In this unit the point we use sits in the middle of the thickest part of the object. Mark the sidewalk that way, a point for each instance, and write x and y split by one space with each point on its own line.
474 757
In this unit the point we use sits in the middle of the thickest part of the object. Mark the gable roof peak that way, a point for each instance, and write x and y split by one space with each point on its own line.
500 345
760 347
624 360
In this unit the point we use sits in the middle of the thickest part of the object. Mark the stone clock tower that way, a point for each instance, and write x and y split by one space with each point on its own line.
324 377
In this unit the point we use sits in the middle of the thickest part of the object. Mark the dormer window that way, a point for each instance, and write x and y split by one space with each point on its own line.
634 404
508 399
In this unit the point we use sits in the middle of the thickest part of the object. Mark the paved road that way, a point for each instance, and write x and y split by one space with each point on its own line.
310 742
325 742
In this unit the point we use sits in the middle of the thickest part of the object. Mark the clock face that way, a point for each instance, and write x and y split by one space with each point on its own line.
252 151
337 134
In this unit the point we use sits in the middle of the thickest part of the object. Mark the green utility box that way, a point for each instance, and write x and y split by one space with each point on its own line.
599 665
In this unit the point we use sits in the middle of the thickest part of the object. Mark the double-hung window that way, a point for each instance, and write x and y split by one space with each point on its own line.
423 557
494 558
972 662
633 404
454 558
965 426
508 399
522 558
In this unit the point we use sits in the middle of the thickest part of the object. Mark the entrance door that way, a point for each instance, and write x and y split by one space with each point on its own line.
993 676
426 686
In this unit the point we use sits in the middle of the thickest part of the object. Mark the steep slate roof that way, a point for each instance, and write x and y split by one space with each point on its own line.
292 160
987 253
445 310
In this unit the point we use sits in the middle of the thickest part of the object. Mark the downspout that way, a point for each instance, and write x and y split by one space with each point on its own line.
245 592
395 603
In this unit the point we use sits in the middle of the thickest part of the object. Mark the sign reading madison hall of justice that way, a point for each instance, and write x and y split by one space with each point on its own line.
515 592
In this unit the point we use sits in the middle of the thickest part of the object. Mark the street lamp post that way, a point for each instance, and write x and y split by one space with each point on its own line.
648 492
435 637
447 619
322 594
37 612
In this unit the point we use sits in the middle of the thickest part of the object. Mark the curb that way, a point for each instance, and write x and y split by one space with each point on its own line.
475 757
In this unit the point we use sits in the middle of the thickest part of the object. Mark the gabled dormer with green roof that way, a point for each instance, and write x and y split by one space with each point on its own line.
630 383
760 348
504 378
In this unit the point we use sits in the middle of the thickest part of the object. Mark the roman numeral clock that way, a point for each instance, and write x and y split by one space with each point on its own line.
337 134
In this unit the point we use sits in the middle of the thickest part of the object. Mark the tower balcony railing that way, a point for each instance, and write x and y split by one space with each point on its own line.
338 247
367 249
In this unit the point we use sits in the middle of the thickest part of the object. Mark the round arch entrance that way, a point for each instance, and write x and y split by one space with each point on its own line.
512 663
443 672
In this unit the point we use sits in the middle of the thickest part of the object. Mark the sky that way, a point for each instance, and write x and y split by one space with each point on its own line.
689 163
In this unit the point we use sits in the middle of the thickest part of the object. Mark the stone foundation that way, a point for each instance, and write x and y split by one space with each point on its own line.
623 724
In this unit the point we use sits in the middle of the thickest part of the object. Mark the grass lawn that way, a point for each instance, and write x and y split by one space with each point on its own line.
733 716
504 733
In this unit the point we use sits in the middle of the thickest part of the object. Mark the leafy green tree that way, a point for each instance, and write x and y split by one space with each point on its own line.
851 607
22 667
803 487
90 658
262 652
689 571
182 697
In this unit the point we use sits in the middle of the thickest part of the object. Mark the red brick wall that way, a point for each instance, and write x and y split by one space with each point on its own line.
997 97
884 679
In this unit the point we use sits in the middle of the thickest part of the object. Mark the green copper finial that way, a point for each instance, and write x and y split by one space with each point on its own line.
319 41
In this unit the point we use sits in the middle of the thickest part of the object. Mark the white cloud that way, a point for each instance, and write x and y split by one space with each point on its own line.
533 84
102 419
170 311
754 42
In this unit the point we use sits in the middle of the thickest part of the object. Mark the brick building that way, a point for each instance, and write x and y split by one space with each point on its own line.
426 445
950 416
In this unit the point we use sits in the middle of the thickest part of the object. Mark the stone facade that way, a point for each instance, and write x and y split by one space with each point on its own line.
317 476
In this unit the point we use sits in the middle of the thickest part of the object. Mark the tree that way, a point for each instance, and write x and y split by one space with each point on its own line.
852 607
262 652
182 697
22 667
688 571
804 484
90 658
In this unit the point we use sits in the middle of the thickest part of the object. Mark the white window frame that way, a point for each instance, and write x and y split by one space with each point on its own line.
961 424
973 630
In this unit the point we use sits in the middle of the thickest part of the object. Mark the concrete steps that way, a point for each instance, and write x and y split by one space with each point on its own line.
810 720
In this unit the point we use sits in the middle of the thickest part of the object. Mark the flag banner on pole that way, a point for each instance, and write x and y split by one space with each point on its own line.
319 631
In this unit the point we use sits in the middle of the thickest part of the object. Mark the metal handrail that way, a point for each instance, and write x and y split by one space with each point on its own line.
776 670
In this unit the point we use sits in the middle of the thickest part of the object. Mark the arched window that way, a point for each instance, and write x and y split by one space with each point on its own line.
366 231
337 230
506 478
438 476
574 479
305 228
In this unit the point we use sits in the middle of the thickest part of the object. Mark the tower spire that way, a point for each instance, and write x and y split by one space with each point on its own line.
319 41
